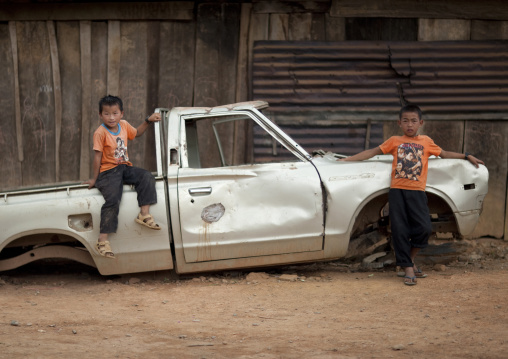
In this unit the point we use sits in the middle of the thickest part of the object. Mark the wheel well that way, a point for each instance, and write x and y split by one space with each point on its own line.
34 247
374 216
42 239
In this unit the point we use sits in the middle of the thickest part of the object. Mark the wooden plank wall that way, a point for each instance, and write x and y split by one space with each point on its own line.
36 91
10 124
199 54
56 72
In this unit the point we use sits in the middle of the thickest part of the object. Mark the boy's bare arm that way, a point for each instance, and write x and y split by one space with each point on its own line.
154 117
364 155
95 169
448 154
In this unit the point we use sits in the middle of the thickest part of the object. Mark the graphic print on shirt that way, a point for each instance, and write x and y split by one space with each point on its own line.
409 161
121 150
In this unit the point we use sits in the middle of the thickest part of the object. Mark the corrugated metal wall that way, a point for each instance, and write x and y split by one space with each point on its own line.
447 79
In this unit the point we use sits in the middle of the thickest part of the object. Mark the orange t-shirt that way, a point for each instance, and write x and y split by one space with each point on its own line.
113 145
410 160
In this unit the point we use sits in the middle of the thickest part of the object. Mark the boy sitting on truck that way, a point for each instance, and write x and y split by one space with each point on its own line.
409 215
111 169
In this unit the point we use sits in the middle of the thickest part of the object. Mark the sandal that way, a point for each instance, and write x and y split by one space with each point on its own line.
104 249
419 273
147 221
411 281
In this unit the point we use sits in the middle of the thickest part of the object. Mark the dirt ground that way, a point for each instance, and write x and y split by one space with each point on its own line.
321 310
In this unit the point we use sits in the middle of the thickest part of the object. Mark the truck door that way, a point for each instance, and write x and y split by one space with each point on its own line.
246 209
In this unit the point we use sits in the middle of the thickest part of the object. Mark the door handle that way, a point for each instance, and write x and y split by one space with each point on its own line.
200 190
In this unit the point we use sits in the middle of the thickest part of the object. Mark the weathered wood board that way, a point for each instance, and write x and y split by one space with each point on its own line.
134 83
10 166
258 30
104 10
152 91
176 64
489 30
70 73
100 56
279 27
431 9
318 27
443 29
114 57
335 28
300 26
37 103
488 140
216 62
85 42
57 92
240 129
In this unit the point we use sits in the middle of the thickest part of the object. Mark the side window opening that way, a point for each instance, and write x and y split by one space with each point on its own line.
231 140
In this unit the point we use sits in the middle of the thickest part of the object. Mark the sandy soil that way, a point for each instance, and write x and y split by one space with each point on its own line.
325 310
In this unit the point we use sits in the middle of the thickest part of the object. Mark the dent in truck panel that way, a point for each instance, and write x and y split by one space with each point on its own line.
213 212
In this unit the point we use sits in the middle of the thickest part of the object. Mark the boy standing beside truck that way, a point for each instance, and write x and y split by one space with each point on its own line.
112 168
409 214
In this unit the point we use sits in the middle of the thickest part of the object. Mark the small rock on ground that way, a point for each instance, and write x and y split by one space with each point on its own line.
439 267
256 276
134 280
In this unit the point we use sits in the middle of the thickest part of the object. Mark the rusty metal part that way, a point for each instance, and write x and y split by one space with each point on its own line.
75 254
448 79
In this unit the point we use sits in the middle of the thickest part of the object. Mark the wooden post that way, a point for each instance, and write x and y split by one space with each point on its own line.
57 93
86 88
17 103
243 54
300 27
242 82
114 54
335 28
258 30
279 27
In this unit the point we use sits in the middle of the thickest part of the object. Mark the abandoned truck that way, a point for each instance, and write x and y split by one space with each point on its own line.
223 216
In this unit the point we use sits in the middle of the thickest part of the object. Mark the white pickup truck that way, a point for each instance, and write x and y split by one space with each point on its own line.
222 216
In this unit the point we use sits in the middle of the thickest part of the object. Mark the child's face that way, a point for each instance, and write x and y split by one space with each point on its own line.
409 122
111 116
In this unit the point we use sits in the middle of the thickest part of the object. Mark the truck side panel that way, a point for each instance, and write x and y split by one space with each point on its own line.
24 216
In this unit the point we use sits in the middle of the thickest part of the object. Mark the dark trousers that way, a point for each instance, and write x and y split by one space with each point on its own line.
410 223
111 182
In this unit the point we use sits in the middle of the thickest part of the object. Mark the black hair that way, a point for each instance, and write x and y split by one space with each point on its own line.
410 108
110 100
